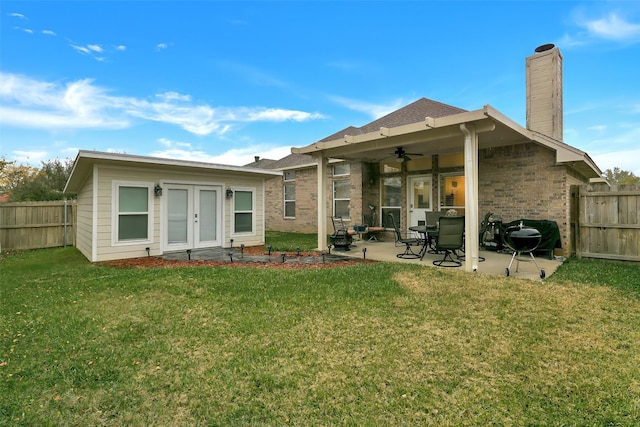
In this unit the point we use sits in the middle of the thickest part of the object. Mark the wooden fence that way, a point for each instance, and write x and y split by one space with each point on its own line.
34 225
606 222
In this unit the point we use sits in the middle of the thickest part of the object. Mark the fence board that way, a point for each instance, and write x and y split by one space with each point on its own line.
607 223
34 225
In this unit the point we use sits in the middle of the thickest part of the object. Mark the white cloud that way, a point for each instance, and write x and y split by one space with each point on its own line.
95 48
81 49
280 115
626 160
19 16
121 48
29 157
161 46
235 156
31 103
48 32
612 27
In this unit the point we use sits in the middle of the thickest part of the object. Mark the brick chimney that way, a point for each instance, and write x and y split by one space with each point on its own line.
544 91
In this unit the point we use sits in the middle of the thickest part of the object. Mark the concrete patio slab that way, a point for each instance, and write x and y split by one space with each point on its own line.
495 262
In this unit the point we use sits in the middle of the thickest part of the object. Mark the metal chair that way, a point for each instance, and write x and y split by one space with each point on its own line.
408 242
373 229
450 239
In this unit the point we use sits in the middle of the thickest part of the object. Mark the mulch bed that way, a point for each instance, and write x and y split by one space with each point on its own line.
293 261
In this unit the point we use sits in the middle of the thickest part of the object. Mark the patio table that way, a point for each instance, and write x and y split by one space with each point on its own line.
424 231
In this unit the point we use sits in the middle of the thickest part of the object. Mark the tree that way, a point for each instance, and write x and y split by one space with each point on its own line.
27 183
618 176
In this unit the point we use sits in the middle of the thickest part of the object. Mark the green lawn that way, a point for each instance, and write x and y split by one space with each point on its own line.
374 344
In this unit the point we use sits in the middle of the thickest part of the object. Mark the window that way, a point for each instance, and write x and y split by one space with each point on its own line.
341 200
243 211
452 196
289 199
390 192
132 212
341 169
289 175
390 166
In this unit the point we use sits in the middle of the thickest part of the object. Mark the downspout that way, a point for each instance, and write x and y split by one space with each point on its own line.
472 240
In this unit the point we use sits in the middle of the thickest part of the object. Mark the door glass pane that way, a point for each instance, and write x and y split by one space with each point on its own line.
133 199
421 194
243 200
132 227
208 224
178 215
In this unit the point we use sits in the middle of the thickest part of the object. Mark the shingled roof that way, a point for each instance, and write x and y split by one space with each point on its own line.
289 162
413 113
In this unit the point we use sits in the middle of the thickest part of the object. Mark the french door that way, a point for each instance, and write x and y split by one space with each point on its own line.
193 216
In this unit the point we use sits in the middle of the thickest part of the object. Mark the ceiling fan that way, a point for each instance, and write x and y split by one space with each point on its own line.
403 156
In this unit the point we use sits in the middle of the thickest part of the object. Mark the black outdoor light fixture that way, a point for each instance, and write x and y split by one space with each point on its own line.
157 190
229 193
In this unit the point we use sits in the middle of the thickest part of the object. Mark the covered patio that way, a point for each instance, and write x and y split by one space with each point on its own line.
465 133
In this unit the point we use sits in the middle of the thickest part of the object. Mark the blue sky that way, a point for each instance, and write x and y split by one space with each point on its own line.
225 81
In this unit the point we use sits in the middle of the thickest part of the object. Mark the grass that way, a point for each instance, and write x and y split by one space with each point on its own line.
289 242
375 344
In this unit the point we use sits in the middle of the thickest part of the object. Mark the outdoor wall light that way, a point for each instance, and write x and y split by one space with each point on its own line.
229 193
157 190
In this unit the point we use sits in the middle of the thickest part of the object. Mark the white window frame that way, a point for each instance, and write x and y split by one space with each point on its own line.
336 199
115 212
253 211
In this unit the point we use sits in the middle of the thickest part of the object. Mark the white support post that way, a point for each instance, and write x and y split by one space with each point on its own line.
322 203
472 228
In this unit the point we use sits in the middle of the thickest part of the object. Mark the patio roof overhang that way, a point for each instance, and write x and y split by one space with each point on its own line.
443 136
466 132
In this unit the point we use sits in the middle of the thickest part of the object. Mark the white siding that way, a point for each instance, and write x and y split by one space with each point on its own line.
108 174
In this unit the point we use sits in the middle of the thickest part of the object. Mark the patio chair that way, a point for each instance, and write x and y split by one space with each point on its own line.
341 237
450 239
404 239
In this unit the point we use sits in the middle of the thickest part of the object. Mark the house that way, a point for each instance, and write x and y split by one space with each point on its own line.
133 206
429 156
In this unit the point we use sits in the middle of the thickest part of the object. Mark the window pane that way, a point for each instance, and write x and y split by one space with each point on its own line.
390 167
289 192
133 199
391 191
290 209
386 221
450 160
419 163
132 227
289 175
342 169
243 200
342 208
243 222
341 189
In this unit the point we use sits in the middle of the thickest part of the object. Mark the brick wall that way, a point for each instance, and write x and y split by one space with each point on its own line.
306 219
524 181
